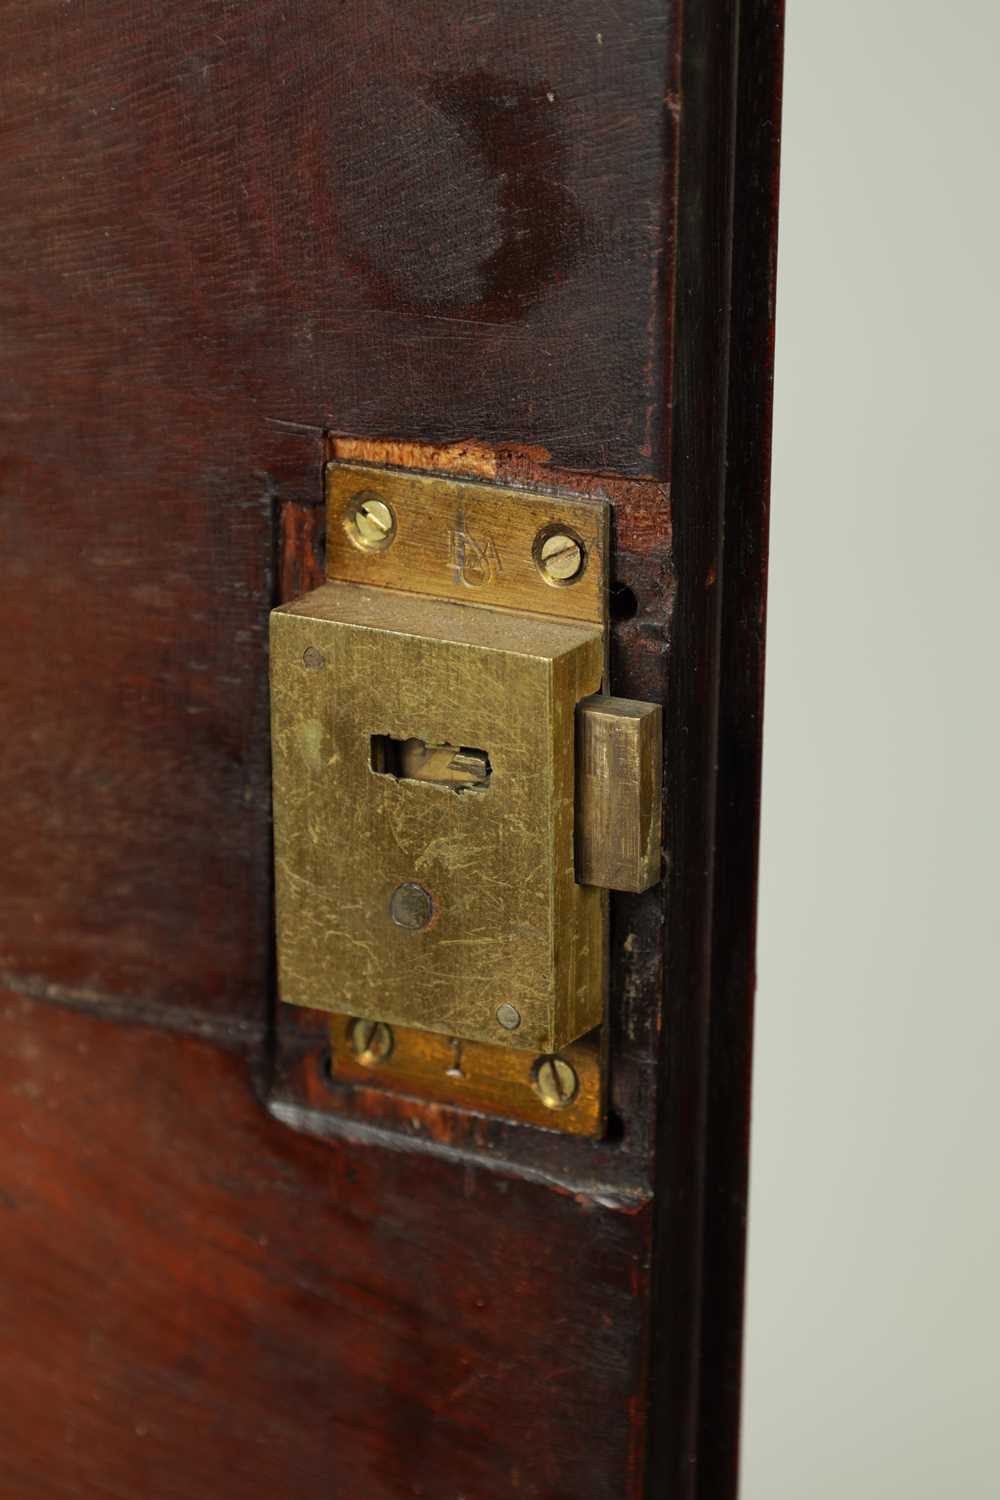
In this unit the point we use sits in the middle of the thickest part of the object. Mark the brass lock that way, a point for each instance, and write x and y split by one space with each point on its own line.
452 793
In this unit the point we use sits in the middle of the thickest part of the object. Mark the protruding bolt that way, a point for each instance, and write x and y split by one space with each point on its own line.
410 906
508 1016
556 1082
370 521
371 1042
561 557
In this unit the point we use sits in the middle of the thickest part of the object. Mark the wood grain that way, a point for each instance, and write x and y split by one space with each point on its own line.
214 220
237 241
196 1301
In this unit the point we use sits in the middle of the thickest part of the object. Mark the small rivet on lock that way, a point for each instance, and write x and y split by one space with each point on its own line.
508 1016
555 1082
410 906
371 1042
560 556
370 521
313 659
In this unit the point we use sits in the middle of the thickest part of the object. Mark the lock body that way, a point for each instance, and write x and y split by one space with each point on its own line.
434 888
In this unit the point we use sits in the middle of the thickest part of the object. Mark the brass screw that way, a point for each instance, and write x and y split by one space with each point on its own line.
561 557
556 1082
371 1042
370 521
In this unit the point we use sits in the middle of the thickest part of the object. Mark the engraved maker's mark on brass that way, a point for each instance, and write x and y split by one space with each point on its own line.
474 561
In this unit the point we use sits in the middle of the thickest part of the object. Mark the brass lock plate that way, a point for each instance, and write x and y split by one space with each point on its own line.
441 842
565 1092
470 543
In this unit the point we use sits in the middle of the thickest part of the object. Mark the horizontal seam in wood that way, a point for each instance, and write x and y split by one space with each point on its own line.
140 1010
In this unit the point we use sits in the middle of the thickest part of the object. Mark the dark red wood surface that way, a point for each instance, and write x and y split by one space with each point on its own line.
198 1302
226 229
229 232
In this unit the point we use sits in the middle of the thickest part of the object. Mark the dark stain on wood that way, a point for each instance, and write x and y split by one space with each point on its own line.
449 194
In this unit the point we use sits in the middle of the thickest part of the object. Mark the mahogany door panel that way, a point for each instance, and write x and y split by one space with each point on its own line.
197 1301
530 243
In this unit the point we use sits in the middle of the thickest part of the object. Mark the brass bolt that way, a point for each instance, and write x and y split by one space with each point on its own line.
371 1042
370 521
556 1082
509 1016
561 557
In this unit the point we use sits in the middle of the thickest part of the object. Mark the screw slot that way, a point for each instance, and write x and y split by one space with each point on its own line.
371 1042
370 521
555 1082
560 556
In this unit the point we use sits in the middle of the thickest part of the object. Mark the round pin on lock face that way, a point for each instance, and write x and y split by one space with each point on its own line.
411 906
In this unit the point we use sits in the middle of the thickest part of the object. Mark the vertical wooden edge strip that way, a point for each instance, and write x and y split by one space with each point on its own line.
740 724
701 378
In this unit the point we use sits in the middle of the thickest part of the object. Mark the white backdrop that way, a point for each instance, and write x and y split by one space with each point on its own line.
873 1359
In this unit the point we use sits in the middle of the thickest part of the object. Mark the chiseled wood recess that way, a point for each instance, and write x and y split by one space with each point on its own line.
618 1169
229 232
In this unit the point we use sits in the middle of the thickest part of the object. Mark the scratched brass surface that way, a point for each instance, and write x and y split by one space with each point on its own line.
486 1080
619 765
510 924
474 543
